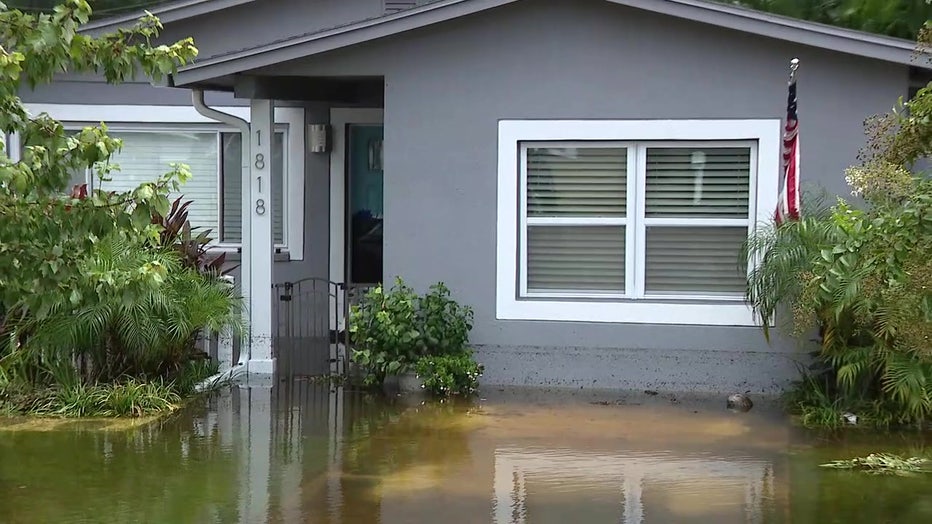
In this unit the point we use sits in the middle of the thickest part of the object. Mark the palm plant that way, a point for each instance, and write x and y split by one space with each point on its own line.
139 314
785 256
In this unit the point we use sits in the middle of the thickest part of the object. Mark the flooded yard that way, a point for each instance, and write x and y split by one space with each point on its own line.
304 452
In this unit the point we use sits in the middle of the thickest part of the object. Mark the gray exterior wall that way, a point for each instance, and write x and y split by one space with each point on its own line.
447 86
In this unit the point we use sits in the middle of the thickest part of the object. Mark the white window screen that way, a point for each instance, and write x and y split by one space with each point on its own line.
146 156
702 192
231 231
576 209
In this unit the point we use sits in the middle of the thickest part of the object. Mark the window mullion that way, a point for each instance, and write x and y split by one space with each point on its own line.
637 221
631 223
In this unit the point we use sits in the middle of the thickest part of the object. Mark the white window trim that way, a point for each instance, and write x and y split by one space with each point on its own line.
145 117
649 310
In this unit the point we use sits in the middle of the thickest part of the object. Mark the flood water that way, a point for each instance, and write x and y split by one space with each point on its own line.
303 452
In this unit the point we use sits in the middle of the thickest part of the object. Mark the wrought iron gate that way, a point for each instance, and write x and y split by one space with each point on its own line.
311 319
304 315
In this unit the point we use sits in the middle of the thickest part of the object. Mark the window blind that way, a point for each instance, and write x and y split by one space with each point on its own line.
701 183
232 181
576 182
589 185
689 260
146 156
688 185
576 258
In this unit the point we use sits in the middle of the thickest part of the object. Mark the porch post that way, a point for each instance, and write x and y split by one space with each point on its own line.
258 250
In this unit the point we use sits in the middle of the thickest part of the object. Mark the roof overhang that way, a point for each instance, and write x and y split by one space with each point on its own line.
167 13
823 36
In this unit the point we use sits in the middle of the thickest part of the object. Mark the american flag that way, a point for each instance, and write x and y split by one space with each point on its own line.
788 202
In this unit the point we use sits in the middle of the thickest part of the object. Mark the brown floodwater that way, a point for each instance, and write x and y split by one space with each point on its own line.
305 452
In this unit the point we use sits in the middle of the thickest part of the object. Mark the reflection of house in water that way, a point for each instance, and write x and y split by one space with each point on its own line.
530 483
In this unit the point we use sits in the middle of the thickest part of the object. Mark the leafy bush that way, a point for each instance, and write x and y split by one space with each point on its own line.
385 331
392 330
444 323
95 286
863 277
447 375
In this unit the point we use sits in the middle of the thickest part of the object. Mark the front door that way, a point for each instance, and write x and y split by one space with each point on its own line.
363 219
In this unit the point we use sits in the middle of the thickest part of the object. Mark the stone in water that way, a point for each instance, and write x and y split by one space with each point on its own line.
739 402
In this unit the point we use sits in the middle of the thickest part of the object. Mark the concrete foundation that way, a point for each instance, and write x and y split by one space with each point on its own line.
639 369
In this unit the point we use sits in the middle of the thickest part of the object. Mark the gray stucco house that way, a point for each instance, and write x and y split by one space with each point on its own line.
581 172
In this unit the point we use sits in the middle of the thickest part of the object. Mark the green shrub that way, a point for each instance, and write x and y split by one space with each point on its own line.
392 329
448 375
384 330
444 323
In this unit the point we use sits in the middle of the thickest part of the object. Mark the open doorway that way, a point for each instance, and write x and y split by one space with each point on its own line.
356 197
364 184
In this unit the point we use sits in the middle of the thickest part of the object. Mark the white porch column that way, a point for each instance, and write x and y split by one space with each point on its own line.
259 249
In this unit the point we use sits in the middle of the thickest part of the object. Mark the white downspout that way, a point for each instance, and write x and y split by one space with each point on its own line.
197 98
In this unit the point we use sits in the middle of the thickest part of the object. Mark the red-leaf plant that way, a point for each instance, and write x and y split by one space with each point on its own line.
194 246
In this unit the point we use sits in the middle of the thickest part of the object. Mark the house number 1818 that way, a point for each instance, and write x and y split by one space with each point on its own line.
259 164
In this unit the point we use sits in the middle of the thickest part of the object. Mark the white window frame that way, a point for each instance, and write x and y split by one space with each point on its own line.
514 302
140 118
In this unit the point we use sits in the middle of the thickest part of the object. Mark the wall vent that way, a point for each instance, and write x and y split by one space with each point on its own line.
393 6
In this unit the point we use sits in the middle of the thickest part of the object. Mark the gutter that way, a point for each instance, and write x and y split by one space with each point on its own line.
197 99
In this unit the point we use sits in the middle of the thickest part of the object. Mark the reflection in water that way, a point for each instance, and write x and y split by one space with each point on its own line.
300 452
724 490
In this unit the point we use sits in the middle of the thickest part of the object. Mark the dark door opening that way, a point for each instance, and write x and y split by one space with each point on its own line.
364 199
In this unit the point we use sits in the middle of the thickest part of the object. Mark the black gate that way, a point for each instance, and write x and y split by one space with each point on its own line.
304 316
311 319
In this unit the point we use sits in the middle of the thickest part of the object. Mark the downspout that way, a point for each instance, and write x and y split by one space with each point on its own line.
197 98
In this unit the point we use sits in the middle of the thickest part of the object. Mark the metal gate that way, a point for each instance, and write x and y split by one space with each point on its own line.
311 319
304 315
